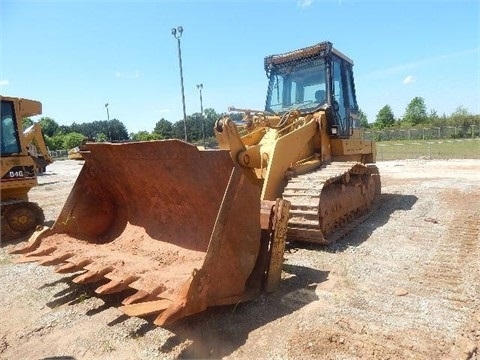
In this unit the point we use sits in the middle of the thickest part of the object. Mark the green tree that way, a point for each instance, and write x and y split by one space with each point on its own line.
117 130
26 122
164 128
178 130
101 137
211 117
114 129
416 112
145 136
460 117
460 111
195 125
49 126
55 142
72 140
362 119
385 118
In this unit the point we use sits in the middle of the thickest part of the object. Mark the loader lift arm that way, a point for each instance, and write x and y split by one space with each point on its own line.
37 148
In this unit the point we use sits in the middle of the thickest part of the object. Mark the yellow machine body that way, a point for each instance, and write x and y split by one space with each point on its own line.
18 170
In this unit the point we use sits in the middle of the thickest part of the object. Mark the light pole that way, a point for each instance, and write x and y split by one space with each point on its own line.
200 87
108 115
177 33
108 123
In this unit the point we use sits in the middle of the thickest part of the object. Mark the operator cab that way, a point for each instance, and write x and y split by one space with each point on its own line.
10 143
310 79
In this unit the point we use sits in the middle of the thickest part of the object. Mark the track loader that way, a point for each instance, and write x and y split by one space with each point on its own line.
184 228
19 217
306 147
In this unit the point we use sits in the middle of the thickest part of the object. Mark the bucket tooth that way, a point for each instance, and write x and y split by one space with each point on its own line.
135 298
24 259
42 251
72 266
55 259
93 275
115 286
143 295
33 242
146 308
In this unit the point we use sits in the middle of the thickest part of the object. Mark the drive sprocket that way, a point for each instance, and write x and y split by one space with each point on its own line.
20 219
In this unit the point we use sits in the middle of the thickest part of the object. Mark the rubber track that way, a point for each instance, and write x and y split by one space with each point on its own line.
304 193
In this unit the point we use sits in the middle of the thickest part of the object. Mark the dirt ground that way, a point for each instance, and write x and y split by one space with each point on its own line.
403 284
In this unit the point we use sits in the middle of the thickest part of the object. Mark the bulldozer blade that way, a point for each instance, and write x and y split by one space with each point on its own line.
179 225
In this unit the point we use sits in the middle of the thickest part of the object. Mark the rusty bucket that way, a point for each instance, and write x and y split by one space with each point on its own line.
178 225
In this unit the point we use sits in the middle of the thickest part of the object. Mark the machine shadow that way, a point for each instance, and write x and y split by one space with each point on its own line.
74 294
219 331
384 207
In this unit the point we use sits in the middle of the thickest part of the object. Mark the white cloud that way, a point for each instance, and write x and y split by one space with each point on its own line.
136 74
304 3
131 75
420 63
409 79
3 82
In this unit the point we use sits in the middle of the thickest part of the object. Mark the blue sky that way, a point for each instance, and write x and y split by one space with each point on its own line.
76 56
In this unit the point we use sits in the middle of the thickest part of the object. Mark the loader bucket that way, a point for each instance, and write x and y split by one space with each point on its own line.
178 225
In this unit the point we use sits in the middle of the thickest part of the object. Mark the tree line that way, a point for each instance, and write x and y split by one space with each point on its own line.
65 137
417 116
200 127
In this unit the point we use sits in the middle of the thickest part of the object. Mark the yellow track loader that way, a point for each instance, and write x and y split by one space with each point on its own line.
180 229
19 216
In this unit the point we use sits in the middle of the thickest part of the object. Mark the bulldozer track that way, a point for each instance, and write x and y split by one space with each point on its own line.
330 202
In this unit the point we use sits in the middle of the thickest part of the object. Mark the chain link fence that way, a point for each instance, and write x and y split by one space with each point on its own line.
425 133
436 149
58 154
445 142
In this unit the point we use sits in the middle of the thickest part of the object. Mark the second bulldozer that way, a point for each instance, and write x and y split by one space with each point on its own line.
19 216
180 229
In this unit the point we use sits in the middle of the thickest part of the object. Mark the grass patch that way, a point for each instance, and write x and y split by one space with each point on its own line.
430 149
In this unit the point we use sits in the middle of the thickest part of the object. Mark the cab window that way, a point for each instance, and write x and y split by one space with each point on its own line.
9 137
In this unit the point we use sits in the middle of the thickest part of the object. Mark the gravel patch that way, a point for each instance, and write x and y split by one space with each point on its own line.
403 284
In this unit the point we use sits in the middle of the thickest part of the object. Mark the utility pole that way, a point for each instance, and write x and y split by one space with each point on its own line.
200 87
177 33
